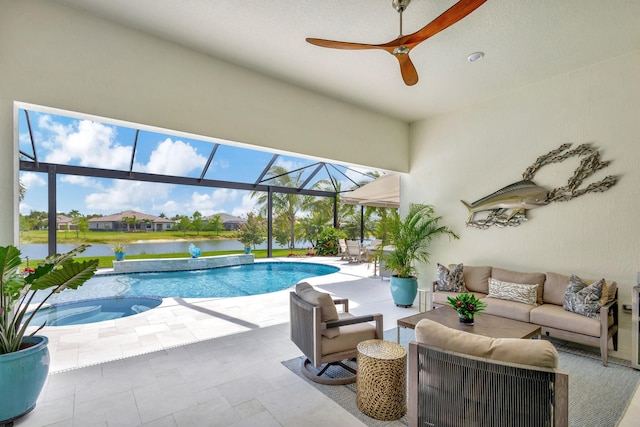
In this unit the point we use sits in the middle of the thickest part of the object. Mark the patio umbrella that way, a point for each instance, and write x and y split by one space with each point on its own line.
384 192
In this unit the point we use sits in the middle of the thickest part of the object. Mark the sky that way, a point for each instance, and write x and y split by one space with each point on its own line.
81 142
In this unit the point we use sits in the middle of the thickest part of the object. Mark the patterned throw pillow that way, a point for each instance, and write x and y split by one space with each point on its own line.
582 299
517 292
450 281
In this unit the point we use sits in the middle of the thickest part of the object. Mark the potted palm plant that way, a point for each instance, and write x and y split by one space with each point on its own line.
411 238
24 356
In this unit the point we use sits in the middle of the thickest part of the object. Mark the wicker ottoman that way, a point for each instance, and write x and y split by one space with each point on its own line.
381 379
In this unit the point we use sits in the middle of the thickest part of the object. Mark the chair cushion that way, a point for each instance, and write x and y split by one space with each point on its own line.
349 338
517 292
522 351
450 280
523 278
328 311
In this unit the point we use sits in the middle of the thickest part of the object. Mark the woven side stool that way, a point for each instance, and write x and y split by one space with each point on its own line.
382 379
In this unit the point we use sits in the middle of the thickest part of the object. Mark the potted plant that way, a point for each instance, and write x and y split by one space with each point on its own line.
118 250
24 357
467 305
410 238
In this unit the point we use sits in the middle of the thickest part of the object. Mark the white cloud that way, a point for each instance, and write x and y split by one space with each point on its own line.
222 164
174 158
128 195
83 181
248 205
25 209
212 203
32 179
288 164
170 208
89 143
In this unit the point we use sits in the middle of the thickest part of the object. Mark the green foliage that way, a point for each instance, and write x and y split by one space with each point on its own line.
53 275
215 224
118 247
466 304
253 232
312 227
411 238
329 242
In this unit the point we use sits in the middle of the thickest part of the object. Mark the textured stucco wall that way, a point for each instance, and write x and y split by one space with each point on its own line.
59 57
471 153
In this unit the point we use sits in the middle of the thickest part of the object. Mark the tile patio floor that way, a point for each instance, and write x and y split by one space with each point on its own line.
163 367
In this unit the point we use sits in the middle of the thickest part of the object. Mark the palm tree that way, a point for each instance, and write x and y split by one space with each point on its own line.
285 205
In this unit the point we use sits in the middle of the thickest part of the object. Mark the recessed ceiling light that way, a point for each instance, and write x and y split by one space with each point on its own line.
475 56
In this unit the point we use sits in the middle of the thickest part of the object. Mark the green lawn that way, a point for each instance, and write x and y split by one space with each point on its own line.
107 261
107 237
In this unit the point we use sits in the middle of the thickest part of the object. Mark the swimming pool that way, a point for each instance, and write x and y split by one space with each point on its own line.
221 282
93 310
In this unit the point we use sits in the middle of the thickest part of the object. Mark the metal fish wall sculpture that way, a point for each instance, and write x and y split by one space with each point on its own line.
508 206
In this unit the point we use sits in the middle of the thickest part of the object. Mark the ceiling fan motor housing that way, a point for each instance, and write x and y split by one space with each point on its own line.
400 5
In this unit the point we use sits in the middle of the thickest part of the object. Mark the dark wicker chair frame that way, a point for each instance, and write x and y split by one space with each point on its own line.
452 389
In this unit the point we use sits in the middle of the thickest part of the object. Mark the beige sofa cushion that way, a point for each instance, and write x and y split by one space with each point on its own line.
509 309
476 279
328 311
554 316
556 285
523 278
554 288
349 337
526 352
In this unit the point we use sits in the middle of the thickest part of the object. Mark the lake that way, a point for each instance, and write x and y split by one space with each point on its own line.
39 251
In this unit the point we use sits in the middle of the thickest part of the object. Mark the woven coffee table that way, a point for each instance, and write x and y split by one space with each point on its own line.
381 379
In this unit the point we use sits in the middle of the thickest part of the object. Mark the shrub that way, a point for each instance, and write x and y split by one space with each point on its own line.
329 242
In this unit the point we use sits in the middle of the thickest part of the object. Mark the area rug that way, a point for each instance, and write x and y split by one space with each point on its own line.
598 395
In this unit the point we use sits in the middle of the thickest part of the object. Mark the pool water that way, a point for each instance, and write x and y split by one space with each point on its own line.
240 280
93 310
221 282
111 296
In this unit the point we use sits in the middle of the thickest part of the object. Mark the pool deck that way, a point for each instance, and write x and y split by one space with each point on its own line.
179 321
214 362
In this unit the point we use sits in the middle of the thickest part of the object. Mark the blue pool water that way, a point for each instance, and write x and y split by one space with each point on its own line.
93 310
242 280
110 296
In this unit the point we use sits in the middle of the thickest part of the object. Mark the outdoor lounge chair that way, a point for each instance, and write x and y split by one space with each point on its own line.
343 249
328 338
355 252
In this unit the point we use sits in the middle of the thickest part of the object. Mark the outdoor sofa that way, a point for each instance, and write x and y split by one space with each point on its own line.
545 299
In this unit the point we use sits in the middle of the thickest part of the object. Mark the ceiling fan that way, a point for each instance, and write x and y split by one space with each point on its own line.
401 46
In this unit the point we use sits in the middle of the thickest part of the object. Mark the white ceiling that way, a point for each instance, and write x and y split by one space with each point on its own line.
525 41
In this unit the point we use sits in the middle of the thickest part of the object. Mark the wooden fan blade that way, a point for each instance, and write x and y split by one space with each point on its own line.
341 45
444 21
408 70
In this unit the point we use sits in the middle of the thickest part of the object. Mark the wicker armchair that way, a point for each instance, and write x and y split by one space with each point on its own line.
449 388
328 343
